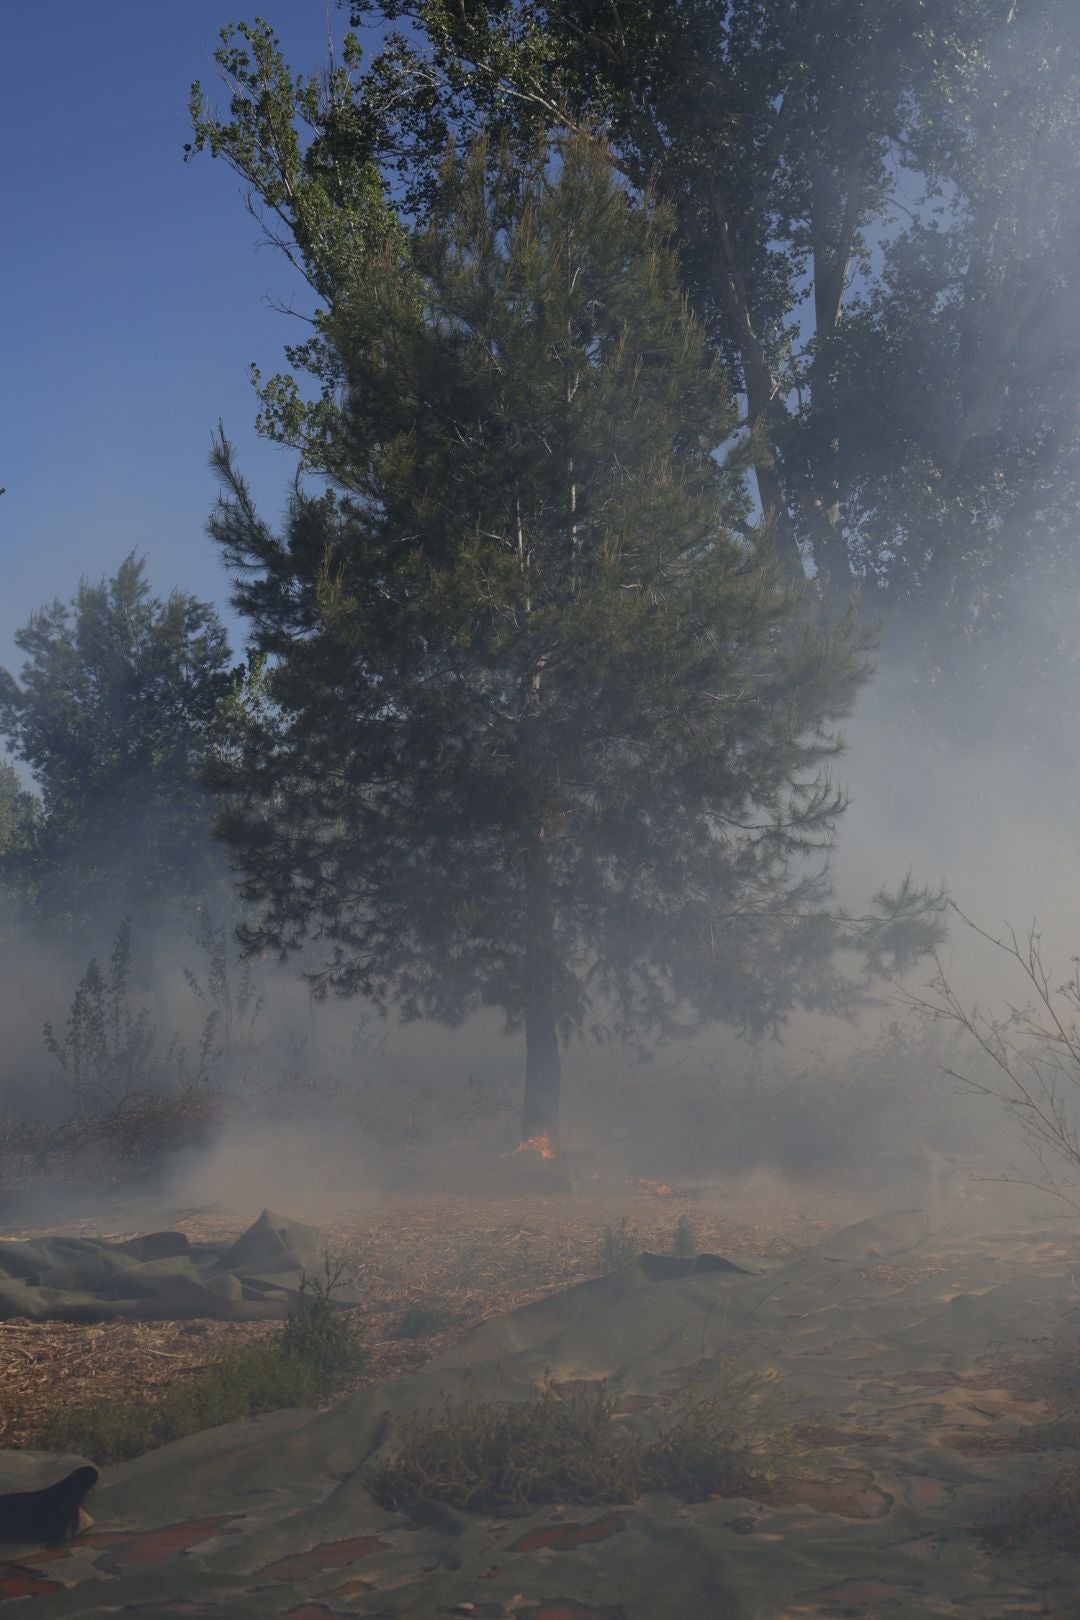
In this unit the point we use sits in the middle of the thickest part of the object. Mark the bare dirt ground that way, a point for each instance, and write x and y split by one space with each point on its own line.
477 1255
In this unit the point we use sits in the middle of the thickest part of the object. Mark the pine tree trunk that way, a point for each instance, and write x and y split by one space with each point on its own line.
543 1064
543 1075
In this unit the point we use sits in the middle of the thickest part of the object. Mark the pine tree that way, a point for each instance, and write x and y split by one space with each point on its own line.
545 726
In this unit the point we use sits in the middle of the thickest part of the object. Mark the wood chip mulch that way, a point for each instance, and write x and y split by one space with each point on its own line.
476 1256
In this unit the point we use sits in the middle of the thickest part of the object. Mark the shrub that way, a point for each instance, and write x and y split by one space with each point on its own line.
107 1050
319 1336
488 1457
684 1240
721 1438
726 1431
620 1246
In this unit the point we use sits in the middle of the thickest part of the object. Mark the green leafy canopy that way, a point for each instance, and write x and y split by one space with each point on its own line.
550 723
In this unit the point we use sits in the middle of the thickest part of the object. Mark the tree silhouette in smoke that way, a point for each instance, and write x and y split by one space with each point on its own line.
546 724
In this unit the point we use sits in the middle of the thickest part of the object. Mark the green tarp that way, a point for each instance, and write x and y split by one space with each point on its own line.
887 1335
162 1275
42 1495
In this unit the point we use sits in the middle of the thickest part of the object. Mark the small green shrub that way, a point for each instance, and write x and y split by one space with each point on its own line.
317 1351
422 1318
620 1246
684 1242
723 1437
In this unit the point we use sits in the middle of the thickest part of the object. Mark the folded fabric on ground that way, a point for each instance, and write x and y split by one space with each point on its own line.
42 1496
889 1338
162 1275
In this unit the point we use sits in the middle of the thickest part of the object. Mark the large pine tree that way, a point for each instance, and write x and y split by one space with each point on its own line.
546 726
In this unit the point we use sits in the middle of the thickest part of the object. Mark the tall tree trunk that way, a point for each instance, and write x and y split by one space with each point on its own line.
836 206
543 1064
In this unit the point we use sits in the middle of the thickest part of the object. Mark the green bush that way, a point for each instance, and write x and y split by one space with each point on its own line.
319 1336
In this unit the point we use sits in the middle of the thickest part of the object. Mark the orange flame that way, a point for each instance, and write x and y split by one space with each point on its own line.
541 1143
658 1189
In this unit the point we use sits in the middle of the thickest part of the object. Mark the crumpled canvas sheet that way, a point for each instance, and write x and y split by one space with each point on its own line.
162 1275
42 1495
272 1517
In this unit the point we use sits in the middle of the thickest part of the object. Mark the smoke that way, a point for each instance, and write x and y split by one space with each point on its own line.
310 1171
326 1104
966 772
984 802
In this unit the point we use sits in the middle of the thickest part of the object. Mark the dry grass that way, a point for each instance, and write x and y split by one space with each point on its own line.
724 1435
479 1255
317 1351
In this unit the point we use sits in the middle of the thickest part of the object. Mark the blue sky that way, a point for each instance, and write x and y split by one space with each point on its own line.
132 294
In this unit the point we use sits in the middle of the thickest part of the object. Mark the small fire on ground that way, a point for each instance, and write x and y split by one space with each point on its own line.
656 1189
541 1144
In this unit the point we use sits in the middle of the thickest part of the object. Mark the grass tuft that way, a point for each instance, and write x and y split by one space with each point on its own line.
620 1245
422 1318
684 1242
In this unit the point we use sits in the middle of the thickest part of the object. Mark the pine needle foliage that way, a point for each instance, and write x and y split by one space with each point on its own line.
548 726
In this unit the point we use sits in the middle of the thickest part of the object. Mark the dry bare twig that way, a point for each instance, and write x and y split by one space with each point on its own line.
1033 1054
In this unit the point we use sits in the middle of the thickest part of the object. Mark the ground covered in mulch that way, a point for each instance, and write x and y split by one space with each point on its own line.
919 1361
468 1256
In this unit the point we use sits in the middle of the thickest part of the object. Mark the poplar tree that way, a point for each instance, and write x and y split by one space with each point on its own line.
111 710
544 725
878 216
